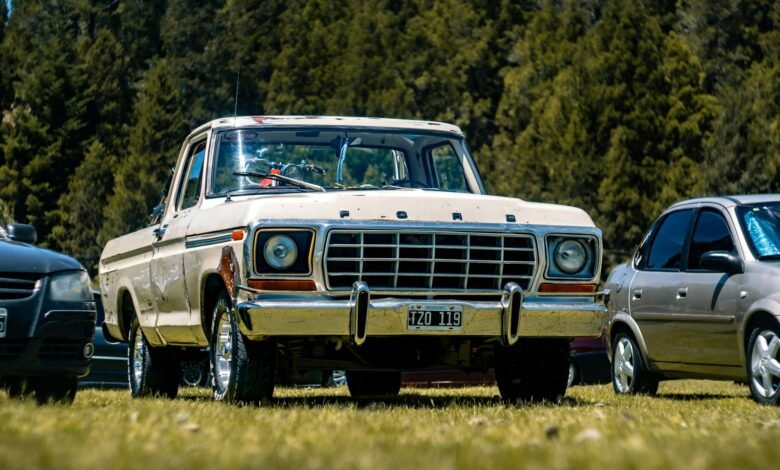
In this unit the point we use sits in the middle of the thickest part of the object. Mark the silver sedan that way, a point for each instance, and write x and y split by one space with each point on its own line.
701 298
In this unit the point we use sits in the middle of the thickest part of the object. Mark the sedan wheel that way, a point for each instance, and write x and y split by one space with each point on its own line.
629 374
764 365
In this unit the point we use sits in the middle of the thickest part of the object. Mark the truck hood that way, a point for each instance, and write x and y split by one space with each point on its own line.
18 257
413 205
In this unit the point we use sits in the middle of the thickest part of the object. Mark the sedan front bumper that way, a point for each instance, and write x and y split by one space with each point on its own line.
516 314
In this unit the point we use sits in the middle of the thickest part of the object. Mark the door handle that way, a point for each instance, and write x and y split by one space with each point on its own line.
637 294
682 292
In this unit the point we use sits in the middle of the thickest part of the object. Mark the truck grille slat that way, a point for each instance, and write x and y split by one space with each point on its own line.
465 261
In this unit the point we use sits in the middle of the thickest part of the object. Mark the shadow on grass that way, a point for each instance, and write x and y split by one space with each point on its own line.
411 400
698 396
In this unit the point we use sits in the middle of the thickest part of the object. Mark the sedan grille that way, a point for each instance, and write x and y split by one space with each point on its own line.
14 286
427 260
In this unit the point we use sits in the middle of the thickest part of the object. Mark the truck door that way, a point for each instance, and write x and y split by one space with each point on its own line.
169 289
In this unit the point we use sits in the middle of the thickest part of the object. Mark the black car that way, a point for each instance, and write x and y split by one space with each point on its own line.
47 318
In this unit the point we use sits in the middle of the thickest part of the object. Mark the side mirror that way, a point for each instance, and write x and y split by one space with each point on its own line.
721 261
22 233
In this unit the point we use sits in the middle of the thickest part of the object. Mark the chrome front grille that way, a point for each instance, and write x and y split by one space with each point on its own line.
14 286
428 260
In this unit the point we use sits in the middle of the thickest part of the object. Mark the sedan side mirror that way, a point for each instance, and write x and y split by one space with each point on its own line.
722 261
22 233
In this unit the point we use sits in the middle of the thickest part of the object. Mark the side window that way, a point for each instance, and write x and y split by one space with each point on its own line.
190 188
667 249
449 169
711 234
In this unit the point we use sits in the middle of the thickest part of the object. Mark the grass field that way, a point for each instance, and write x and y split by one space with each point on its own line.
691 424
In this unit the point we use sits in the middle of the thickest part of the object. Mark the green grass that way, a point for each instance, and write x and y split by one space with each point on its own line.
691 424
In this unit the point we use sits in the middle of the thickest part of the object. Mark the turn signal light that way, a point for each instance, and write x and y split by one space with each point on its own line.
283 284
237 235
567 288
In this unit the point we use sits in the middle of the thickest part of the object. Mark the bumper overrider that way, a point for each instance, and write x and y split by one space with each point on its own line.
517 314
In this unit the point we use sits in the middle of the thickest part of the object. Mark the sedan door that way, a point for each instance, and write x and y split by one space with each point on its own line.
655 298
710 308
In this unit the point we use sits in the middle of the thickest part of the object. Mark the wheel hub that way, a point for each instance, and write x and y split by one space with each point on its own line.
224 352
624 365
765 368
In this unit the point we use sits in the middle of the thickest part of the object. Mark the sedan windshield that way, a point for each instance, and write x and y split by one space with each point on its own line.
247 161
762 228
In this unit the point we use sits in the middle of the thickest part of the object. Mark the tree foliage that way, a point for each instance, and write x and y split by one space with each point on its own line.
616 106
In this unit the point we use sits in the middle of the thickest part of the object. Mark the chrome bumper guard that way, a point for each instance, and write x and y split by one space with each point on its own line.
517 314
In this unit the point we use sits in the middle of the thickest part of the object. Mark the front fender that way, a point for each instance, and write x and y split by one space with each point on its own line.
623 318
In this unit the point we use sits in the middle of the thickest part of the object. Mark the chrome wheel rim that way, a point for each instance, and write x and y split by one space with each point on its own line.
223 351
139 349
623 365
339 378
765 368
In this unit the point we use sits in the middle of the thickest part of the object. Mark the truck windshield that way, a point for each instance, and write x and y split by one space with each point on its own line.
761 225
337 159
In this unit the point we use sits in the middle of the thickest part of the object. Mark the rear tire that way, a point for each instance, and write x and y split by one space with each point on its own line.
763 364
533 370
629 372
242 370
363 384
151 371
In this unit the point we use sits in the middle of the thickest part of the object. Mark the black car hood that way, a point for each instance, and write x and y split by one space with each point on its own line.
18 257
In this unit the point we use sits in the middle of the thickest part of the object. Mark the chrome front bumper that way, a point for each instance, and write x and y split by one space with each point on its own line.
517 314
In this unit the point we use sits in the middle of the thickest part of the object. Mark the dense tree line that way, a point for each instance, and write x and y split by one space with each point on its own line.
617 106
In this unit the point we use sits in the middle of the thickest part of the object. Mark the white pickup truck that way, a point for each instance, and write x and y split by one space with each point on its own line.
367 245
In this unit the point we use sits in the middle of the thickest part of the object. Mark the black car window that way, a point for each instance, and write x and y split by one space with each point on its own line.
711 234
667 249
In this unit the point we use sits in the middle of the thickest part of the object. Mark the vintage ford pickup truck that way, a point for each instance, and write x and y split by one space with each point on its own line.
368 245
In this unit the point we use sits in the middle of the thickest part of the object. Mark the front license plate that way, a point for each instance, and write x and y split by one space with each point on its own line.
434 317
3 321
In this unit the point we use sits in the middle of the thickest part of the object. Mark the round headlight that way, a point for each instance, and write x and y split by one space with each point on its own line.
280 252
570 256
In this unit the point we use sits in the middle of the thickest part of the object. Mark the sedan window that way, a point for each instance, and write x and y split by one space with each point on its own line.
711 234
667 249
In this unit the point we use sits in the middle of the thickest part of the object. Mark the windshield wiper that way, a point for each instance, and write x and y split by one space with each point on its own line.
775 256
282 179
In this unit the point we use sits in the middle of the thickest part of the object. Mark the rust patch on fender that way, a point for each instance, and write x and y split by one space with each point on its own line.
228 269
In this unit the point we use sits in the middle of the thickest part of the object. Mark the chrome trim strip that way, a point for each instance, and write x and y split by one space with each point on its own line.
685 317
208 241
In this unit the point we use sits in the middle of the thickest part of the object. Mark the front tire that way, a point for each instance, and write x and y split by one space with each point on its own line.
54 389
533 370
629 372
243 371
362 384
763 364
151 371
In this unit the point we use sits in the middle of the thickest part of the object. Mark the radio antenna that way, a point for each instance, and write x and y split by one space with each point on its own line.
235 101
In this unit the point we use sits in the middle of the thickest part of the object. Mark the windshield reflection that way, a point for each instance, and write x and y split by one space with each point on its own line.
762 226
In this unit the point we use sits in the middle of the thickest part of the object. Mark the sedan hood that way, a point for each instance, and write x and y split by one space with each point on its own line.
18 257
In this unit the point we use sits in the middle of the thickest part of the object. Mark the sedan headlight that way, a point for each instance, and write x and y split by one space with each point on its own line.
280 252
70 287
571 257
